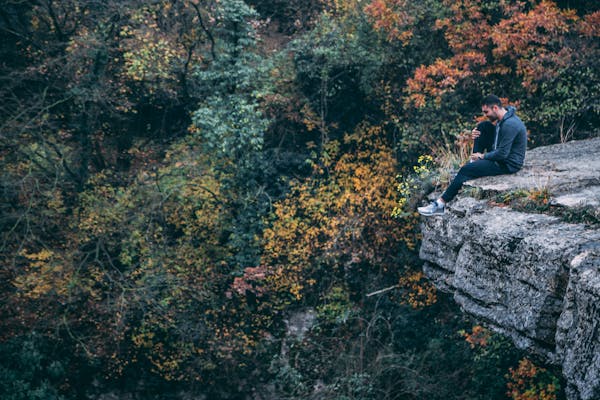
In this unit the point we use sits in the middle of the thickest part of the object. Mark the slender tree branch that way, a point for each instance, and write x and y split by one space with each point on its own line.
210 36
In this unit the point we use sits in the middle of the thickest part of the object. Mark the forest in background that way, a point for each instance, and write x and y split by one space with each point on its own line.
180 178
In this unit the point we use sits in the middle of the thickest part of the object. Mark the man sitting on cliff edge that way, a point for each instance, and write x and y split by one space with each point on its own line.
506 143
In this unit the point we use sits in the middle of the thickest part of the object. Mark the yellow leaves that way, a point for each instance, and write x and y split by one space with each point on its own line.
295 290
424 165
336 306
35 22
143 339
48 273
310 118
151 54
150 60
418 291
409 186
99 210
41 274
328 217
55 201
38 259
166 358
194 208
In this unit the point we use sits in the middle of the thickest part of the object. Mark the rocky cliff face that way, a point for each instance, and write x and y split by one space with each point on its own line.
528 275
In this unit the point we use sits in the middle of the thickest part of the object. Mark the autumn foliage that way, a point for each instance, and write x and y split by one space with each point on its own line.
339 221
179 179
530 382
530 42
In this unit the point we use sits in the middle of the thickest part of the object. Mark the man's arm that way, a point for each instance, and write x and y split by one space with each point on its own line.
483 136
507 136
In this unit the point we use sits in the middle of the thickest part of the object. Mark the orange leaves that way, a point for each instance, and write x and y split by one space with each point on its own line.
469 59
441 77
538 27
532 43
536 40
435 80
530 382
418 291
468 28
251 281
590 26
467 32
478 337
392 17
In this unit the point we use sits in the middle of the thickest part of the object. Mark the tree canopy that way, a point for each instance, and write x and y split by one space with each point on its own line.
180 177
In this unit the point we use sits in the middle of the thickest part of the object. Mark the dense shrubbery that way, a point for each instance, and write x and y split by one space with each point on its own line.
173 189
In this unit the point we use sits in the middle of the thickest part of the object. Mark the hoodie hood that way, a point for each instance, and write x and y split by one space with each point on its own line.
510 111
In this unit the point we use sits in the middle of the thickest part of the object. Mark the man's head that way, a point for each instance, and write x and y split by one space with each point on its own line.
491 107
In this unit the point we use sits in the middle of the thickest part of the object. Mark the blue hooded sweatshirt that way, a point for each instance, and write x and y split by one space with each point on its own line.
510 142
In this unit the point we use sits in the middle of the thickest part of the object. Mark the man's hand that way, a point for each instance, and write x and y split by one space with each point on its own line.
475 133
476 156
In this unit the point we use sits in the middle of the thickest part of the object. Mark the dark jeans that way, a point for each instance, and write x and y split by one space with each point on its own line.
473 170
479 168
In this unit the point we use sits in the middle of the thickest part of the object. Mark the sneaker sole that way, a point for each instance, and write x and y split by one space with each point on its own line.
430 214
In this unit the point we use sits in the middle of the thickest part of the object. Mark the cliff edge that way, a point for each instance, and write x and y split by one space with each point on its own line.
531 276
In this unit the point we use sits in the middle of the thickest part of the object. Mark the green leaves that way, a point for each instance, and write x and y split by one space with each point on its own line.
232 126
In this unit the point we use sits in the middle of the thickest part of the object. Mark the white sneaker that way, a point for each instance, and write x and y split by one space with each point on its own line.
433 209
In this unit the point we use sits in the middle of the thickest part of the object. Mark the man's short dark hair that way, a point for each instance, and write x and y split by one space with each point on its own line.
491 100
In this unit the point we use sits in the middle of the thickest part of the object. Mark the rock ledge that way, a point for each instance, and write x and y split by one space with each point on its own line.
529 276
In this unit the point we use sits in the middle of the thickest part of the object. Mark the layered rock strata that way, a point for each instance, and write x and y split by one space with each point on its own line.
530 276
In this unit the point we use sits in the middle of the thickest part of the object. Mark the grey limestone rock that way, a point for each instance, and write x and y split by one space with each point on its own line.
530 276
589 197
577 335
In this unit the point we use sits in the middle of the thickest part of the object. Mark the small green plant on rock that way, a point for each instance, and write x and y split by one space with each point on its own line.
508 198
414 186
532 200
581 215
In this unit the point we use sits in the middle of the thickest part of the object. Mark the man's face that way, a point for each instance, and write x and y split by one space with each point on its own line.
491 112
